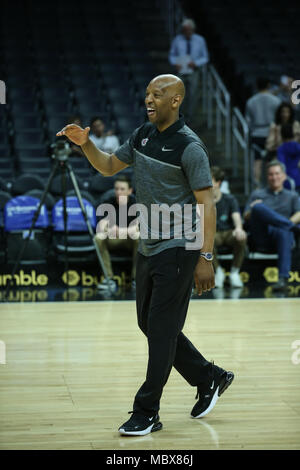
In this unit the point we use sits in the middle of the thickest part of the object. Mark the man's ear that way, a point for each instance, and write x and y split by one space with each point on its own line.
176 101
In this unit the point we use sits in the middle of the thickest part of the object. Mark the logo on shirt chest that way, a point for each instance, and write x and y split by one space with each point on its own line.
144 142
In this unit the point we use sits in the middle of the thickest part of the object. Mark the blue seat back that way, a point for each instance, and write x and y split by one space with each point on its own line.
19 212
75 222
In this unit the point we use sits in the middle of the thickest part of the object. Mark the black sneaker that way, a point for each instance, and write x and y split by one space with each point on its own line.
208 396
281 285
140 424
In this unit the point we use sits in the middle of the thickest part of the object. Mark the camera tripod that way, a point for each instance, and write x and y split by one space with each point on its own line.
61 162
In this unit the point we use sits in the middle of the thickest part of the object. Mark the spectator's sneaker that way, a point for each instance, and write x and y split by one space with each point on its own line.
208 396
218 293
140 425
235 293
104 285
282 284
219 277
235 280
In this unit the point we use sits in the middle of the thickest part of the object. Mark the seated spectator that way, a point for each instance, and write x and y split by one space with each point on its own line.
289 154
260 113
105 141
108 236
273 213
76 149
285 114
229 232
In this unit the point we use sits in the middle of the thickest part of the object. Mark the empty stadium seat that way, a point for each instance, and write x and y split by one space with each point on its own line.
56 185
18 218
79 246
28 139
28 122
25 183
99 184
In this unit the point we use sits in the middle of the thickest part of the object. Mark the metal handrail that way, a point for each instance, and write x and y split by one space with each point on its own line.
217 94
240 135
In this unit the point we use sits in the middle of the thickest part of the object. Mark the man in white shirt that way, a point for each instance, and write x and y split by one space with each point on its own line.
104 141
188 53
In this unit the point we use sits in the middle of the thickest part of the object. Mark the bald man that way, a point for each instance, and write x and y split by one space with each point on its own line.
171 169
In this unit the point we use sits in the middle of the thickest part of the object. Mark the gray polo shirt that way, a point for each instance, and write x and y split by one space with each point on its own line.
284 202
260 113
168 166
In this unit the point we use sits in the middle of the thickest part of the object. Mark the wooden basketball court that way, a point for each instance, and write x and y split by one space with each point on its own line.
72 370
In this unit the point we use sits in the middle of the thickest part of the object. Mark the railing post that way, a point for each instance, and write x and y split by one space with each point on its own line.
209 101
218 117
234 145
219 101
227 129
204 88
243 140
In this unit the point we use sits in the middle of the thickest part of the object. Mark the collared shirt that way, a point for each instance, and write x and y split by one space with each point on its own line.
284 202
168 166
198 49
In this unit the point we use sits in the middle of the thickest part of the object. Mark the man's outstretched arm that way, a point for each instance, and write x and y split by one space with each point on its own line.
103 162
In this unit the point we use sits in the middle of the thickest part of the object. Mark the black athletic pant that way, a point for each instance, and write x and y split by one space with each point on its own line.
163 289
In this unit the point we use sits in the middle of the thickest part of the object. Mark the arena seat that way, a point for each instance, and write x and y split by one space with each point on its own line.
79 246
25 183
18 217
100 184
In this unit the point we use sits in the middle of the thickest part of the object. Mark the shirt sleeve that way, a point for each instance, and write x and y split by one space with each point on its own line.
234 206
125 152
196 166
203 55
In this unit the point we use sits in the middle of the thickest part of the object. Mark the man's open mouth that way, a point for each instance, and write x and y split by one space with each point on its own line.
150 111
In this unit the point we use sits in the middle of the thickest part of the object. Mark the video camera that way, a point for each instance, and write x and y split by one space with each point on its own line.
61 149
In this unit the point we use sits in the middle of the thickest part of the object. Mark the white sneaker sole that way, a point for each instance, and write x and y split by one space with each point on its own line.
158 426
104 287
210 407
236 285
